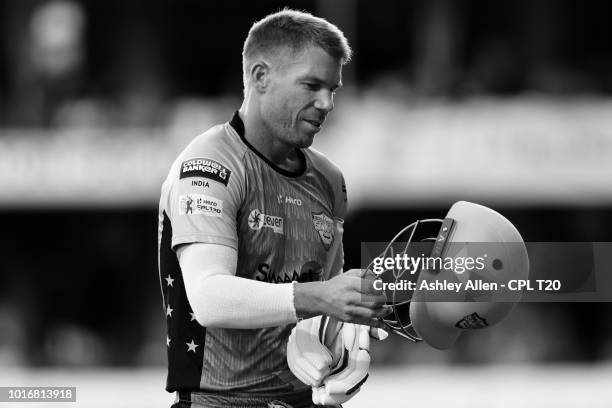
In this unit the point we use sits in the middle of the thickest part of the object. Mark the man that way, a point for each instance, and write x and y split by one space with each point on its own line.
246 224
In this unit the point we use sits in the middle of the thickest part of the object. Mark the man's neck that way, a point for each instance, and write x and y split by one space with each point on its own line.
279 153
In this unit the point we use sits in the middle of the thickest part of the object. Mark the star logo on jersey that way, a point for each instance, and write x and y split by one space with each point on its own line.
325 227
192 346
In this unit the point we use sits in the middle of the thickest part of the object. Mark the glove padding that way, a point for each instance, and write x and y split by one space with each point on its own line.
308 358
351 371
331 356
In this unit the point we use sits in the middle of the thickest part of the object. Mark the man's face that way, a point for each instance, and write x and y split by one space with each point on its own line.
300 94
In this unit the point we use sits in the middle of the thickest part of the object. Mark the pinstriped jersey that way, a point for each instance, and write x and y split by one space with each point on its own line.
220 190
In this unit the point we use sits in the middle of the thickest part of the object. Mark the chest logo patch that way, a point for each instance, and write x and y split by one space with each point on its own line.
325 227
258 220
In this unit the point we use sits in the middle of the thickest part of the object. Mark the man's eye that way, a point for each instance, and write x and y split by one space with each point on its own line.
311 86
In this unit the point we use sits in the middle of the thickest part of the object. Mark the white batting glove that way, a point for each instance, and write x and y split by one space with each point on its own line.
308 359
351 371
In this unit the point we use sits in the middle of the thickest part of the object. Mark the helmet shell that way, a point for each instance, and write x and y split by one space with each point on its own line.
478 231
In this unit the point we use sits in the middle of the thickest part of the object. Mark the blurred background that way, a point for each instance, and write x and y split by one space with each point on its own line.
507 104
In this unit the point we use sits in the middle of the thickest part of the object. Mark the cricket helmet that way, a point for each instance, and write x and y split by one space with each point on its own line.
469 231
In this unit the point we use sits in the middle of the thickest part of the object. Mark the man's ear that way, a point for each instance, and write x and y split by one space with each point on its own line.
260 76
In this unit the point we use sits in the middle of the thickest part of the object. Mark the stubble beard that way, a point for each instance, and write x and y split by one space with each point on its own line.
287 130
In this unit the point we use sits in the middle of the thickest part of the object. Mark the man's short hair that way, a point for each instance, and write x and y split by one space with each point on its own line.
294 30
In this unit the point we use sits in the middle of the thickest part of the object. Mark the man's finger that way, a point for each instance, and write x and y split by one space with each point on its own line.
371 322
378 309
374 301
369 317
370 287
355 272
387 310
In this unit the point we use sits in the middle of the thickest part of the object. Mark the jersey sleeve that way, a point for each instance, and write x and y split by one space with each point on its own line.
340 205
205 195
340 210
334 180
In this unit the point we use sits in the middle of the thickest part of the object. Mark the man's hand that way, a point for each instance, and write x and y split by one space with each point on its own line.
351 371
331 356
308 358
347 297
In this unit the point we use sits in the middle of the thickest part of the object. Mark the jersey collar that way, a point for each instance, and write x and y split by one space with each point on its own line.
238 126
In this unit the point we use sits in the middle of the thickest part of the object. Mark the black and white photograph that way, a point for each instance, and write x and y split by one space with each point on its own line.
305 204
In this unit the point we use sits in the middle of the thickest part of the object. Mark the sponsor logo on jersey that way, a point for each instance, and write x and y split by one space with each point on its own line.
311 271
283 199
325 227
200 204
200 183
206 168
472 321
258 220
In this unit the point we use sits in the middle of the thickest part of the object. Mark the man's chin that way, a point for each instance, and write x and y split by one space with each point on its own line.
306 140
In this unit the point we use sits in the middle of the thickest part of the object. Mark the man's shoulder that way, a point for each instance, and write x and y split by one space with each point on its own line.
216 150
332 174
323 164
219 140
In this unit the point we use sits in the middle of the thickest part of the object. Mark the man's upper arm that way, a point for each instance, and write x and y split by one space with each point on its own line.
205 195
199 261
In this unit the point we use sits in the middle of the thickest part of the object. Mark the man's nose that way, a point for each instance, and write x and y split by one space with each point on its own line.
325 101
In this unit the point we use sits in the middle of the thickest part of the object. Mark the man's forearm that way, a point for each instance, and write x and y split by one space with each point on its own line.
238 303
307 299
218 298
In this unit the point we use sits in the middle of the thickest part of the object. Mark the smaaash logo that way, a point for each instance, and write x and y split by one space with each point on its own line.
311 271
